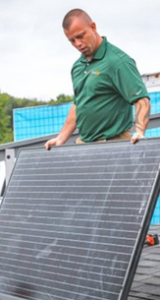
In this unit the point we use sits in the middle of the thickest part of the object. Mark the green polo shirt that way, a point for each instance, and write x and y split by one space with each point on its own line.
104 89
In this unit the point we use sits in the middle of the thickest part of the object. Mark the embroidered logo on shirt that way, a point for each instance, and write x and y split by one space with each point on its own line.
138 92
95 72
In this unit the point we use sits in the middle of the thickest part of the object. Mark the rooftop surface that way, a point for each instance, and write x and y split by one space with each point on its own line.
146 283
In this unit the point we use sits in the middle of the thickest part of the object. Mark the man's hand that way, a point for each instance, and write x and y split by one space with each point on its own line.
53 142
136 137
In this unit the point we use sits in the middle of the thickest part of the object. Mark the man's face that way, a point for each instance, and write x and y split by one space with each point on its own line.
83 37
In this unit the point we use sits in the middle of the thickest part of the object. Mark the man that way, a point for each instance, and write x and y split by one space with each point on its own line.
106 84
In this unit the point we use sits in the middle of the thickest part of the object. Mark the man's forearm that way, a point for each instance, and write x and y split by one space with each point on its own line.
66 131
142 115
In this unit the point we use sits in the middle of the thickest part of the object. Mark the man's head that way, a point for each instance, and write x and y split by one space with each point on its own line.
81 32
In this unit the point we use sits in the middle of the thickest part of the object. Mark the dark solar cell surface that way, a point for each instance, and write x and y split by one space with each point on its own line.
73 219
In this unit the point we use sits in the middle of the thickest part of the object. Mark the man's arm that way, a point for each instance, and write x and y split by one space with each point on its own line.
67 130
142 115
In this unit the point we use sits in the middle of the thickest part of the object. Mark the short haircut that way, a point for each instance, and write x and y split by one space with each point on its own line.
79 13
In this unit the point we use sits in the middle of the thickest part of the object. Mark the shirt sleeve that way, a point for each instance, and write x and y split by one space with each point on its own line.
128 82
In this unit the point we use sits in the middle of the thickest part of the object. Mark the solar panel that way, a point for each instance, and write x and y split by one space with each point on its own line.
73 220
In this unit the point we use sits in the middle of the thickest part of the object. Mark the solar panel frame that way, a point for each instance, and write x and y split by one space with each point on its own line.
145 223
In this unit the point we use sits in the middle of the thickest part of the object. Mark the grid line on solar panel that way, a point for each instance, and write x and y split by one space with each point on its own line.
27 165
68 219
128 220
99 182
89 201
116 231
41 191
80 257
72 244
119 209
68 171
50 240
113 250
73 180
87 162
86 173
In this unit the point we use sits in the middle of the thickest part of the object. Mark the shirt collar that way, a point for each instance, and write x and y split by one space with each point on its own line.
99 53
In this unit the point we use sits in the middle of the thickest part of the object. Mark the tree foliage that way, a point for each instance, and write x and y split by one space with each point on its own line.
5 130
61 99
8 103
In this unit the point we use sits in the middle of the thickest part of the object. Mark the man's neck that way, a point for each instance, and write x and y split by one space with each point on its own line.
100 39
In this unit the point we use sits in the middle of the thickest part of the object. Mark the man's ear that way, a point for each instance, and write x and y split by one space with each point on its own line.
93 26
